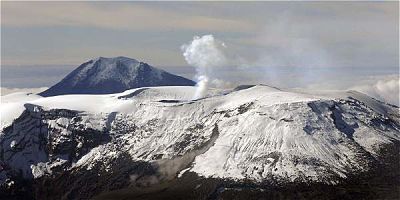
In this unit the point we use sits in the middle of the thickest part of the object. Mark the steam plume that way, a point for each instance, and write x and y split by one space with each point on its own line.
385 89
205 54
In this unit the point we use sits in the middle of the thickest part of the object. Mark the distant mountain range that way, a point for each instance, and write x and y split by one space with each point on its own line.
113 75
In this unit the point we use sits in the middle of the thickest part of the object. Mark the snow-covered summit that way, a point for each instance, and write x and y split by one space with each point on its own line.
254 133
111 75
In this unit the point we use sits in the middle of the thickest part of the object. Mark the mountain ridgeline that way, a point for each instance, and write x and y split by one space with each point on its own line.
156 142
253 142
113 75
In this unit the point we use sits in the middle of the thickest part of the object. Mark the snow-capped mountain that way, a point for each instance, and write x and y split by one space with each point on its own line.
112 75
154 135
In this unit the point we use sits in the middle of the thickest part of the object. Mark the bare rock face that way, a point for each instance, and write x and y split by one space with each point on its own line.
113 75
257 141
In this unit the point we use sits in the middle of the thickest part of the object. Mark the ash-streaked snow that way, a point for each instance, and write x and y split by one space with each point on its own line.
255 133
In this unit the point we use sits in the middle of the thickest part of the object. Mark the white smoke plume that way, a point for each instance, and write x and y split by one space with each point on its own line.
205 54
386 89
292 47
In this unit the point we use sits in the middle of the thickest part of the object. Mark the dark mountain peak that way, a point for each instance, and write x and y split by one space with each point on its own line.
111 75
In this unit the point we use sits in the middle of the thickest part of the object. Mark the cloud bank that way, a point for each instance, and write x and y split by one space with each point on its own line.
119 16
50 33
5 91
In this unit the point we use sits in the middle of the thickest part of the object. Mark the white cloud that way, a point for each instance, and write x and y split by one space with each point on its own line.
5 91
386 89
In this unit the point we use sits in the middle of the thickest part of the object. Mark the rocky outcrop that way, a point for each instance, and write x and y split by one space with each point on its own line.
243 140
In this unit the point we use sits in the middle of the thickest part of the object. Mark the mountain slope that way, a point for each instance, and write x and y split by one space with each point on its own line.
112 75
148 136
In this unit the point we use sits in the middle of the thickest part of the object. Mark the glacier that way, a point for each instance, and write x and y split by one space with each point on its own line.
257 133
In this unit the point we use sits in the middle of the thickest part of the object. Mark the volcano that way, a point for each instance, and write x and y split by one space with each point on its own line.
158 141
113 75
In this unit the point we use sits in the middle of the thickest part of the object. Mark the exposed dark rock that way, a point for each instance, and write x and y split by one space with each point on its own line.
381 182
